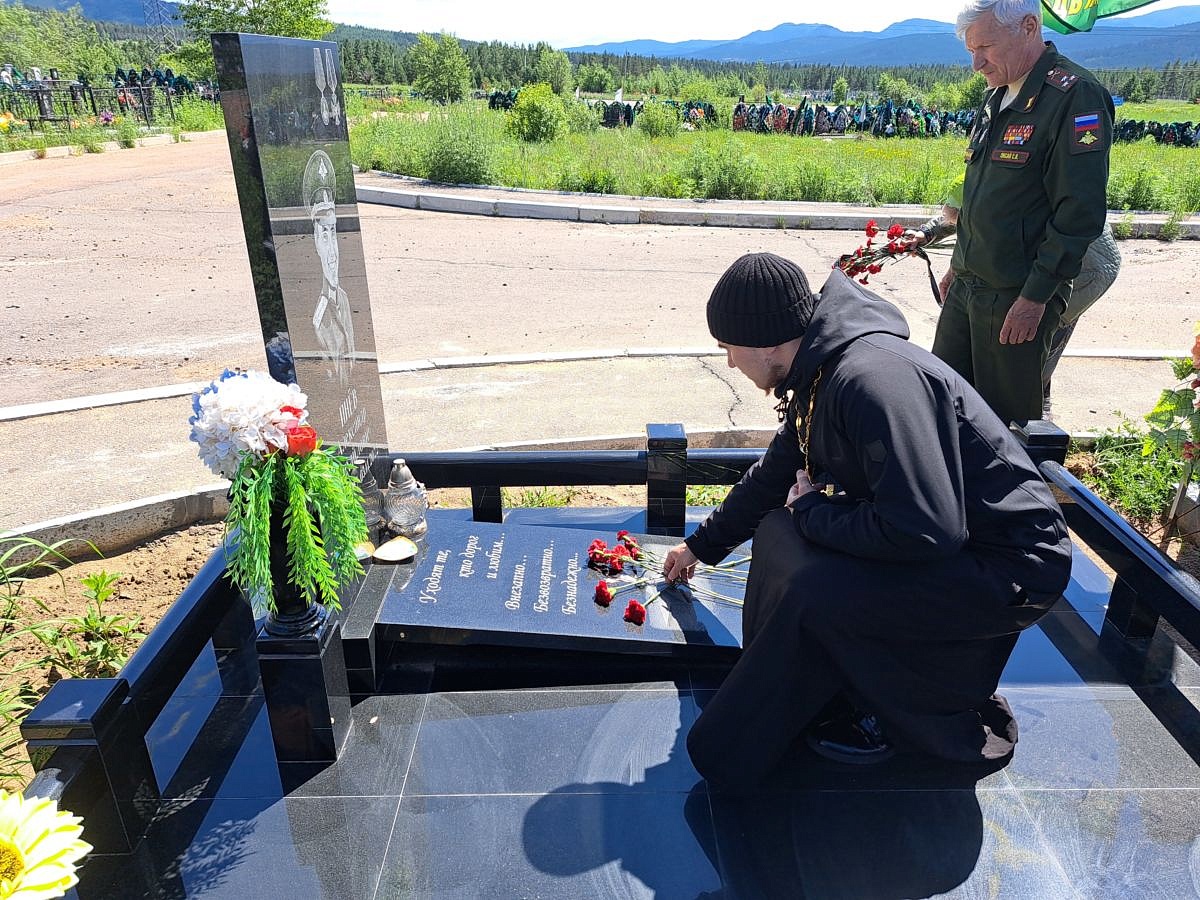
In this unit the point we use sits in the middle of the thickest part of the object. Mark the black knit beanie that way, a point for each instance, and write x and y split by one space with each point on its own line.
762 300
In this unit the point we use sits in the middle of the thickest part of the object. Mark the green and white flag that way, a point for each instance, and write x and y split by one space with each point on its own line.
1070 16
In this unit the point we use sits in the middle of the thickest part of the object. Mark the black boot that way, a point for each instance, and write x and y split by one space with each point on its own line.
853 737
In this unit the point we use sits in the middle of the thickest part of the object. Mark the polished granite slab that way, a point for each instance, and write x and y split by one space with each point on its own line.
476 583
473 782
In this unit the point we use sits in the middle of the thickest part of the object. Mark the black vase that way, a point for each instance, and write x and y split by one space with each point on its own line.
294 613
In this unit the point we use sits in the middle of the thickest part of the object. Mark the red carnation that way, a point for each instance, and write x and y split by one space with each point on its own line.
895 231
615 566
862 281
874 268
635 613
622 534
620 550
604 596
302 440
872 229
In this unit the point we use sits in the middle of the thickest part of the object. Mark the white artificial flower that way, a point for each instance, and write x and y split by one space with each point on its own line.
242 413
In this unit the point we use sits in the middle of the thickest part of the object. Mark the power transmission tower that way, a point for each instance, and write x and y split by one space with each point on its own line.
160 21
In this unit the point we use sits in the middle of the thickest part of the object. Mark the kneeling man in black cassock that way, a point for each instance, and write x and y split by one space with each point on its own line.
902 539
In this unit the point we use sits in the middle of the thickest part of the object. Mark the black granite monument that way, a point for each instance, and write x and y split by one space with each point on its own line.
289 140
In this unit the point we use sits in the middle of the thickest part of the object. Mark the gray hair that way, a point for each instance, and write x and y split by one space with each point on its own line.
1008 13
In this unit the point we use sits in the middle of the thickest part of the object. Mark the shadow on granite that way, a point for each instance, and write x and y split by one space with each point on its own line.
565 776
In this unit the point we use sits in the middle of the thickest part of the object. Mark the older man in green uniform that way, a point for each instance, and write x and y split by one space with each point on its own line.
1033 200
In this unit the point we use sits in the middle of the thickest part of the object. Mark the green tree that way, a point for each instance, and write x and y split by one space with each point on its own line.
287 18
439 68
193 58
538 115
758 75
841 88
945 97
50 38
971 91
595 79
553 68
898 90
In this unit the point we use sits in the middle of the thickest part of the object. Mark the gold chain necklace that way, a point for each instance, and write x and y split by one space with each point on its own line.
806 433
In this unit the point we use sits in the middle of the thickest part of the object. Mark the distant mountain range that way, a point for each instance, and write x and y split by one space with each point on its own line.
1150 40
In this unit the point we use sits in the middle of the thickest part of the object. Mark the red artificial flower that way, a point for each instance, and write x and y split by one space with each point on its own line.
895 231
872 229
635 613
292 411
604 596
302 440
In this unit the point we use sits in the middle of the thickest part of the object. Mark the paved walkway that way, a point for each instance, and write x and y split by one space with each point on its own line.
131 284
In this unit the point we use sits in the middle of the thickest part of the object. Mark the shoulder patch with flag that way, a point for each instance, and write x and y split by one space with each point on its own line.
1087 133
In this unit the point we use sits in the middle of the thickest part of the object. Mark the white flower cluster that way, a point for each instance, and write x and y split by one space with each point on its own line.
244 412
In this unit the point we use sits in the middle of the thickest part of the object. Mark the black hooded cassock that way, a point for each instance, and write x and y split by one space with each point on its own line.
907 588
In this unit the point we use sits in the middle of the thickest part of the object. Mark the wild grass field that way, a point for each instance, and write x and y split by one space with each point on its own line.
469 144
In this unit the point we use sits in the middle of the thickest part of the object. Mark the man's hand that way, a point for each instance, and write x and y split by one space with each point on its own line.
680 564
802 486
944 284
1021 323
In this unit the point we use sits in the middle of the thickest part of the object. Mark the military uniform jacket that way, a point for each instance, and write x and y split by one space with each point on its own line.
1034 196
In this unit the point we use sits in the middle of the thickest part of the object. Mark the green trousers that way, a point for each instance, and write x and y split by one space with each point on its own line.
1007 376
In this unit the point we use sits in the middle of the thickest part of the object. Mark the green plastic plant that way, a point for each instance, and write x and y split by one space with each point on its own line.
319 504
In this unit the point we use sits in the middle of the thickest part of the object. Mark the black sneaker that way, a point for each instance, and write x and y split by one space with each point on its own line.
854 738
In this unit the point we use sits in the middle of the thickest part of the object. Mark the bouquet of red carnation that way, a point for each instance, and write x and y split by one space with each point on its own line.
612 561
870 258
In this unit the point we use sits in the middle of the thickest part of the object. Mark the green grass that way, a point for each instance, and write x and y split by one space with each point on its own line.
1160 111
194 114
706 494
721 164
1140 486
625 161
541 497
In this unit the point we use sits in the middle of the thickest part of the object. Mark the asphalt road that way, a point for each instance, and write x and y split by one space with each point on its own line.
128 270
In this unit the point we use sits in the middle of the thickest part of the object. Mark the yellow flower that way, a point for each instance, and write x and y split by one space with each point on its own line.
39 848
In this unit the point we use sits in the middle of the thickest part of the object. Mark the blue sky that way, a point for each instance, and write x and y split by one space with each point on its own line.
564 23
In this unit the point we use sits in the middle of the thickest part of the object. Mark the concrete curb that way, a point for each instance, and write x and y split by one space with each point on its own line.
65 150
183 389
114 529
595 208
